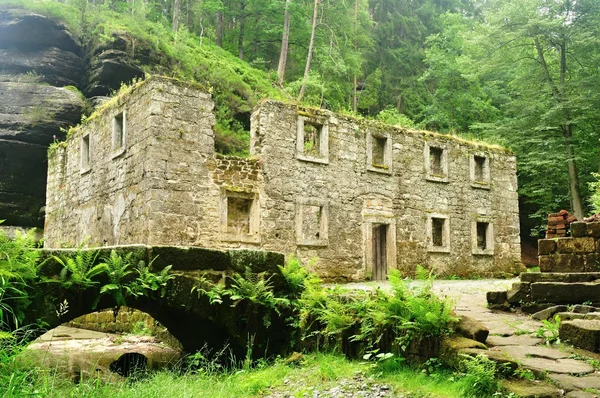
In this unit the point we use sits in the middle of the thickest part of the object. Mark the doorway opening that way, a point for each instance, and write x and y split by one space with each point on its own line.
380 263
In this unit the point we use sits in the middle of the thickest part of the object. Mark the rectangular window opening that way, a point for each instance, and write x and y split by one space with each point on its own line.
311 222
85 152
482 231
479 168
437 232
312 139
379 149
238 215
435 161
118 131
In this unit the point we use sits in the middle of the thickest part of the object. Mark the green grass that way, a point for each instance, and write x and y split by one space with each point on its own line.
316 372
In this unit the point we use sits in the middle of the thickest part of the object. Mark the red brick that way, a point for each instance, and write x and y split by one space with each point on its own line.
555 219
563 212
571 219
553 215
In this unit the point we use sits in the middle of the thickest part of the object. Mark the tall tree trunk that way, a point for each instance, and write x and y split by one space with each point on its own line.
354 91
242 28
285 39
176 7
310 51
559 94
220 28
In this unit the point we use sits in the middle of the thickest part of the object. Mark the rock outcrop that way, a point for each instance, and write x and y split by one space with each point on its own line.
36 55
111 63
35 113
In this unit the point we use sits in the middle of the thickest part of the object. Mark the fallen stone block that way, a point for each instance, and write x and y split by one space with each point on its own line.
581 333
472 329
519 293
583 309
496 297
565 293
548 313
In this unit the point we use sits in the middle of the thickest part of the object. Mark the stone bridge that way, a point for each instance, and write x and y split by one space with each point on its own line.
188 316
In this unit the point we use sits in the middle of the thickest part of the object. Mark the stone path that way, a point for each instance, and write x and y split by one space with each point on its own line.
512 338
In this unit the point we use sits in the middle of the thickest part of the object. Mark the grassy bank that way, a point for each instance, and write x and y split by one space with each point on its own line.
313 372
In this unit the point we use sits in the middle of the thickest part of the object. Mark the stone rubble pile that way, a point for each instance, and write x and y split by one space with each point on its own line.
558 224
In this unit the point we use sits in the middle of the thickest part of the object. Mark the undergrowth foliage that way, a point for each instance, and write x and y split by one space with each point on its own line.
335 318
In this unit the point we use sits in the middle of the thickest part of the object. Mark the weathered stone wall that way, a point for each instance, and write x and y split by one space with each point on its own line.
578 253
116 200
319 185
404 195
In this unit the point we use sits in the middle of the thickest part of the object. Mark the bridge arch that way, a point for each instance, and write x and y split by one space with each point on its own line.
187 315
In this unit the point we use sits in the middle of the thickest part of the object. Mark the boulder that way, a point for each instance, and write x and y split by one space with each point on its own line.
35 113
23 183
26 30
52 64
472 329
581 333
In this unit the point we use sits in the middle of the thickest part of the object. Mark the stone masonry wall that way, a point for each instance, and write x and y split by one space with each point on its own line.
115 200
322 186
404 195
578 253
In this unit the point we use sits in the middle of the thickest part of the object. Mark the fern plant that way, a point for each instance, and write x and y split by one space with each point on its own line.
148 281
78 270
118 270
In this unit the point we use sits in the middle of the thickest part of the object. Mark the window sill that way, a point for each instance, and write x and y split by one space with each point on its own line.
241 238
480 185
478 252
85 170
380 169
306 158
314 243
434 178
441 249
118 153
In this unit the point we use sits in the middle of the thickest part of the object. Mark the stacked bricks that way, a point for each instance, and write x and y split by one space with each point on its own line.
558 224
578 253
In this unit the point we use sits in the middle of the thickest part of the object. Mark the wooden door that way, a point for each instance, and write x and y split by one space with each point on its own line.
379 252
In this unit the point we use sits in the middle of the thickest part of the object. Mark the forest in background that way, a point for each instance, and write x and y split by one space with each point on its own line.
524 74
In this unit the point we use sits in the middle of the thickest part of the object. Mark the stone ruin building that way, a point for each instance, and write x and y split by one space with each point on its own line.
354 198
